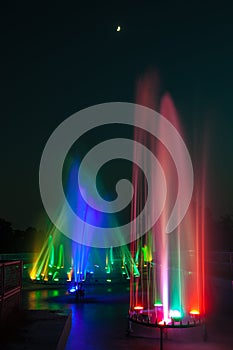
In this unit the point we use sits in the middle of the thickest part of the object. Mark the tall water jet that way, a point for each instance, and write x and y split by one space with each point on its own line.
169 286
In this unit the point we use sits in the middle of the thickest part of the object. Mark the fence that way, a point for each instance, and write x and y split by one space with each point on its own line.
10 288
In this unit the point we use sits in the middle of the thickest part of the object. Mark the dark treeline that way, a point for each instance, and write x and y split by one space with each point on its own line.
219 235
16 241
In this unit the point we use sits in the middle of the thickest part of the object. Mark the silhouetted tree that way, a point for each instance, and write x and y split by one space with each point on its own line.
19 241
6 236
27 240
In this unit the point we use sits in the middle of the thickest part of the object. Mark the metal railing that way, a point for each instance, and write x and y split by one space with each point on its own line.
10 288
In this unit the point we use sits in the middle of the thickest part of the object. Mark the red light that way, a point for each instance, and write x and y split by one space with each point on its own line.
194 312
163 322
138 307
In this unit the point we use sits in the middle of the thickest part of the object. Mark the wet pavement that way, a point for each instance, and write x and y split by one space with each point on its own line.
99 322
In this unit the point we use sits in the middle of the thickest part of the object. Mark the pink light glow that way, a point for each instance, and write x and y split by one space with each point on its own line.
164 278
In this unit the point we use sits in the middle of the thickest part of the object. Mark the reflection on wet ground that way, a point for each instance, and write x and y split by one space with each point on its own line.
99 322
42 299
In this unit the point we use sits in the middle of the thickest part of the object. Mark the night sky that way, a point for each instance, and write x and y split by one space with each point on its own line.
57 60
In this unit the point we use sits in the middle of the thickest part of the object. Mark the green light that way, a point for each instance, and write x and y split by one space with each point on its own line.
60 257
55 278
176 281
108 269
51 251
108 280
136 271
111 256
176 315
158 303
136 257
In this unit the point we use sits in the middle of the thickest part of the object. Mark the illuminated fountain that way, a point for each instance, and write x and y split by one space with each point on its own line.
167 289
58 259
166 267
62 260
